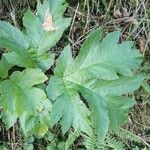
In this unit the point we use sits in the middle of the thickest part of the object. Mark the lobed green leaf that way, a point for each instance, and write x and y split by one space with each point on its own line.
102 73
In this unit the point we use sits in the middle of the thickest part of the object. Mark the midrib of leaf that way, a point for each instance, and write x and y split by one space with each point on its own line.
65 89
78 84
104 84
90 66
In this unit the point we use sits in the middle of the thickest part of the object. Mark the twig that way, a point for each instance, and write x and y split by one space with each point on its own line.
74 19
87 18
12 13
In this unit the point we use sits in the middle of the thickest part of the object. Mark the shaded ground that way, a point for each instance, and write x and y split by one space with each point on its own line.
132 17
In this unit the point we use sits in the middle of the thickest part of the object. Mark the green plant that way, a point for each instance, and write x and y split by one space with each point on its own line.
30 49
91 93
114 140
101 73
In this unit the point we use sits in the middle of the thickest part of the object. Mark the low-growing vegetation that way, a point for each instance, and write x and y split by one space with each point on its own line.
75 77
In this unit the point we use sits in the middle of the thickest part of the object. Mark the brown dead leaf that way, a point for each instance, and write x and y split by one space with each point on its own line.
142 44
48 21
132 20
117 14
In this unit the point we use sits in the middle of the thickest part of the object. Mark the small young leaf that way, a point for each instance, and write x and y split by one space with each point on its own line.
48 21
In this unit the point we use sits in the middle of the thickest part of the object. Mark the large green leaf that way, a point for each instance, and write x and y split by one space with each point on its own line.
19 97
12 38
99 112
107 59
76 113
17 45
18 48
101 72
